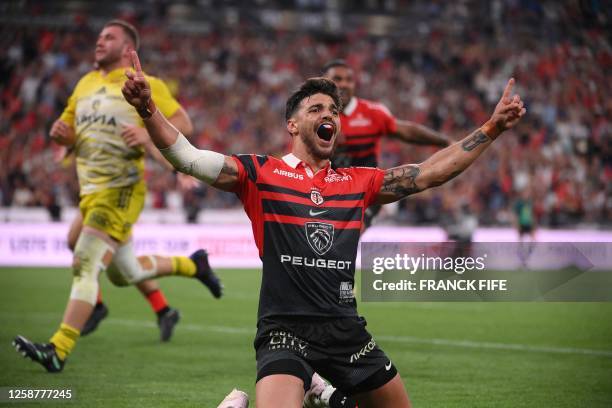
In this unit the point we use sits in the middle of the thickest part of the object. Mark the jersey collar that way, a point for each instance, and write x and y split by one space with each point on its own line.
350 107
115 74
292 161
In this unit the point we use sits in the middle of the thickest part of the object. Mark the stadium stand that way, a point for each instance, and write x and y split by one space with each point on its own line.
437 63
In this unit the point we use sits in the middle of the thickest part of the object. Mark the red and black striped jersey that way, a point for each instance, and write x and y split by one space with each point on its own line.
306 227
363 124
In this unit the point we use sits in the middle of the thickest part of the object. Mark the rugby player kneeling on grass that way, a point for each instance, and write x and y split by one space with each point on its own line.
307 318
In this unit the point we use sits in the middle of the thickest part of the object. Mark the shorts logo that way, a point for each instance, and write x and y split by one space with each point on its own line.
316 197
100 218
365 350
283 340
320 236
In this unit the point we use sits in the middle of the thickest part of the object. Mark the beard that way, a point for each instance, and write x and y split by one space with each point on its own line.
309 138
110 58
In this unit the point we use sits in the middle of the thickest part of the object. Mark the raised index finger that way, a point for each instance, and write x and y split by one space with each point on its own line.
507 90
136 62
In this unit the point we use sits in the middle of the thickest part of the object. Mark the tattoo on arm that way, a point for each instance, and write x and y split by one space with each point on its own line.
477 138
400 181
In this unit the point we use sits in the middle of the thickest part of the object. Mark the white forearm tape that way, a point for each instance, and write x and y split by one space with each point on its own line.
202 164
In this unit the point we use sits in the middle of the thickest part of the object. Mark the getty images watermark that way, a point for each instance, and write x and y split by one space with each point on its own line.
413 264
454 271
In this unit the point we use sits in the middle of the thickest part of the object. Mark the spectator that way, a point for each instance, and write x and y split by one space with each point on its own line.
444 77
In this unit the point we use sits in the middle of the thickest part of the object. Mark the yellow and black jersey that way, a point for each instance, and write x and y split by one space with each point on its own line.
98 112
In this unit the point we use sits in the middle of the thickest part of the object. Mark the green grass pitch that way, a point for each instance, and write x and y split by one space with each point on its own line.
449 354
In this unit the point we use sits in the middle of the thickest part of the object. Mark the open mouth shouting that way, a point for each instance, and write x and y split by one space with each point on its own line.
326 131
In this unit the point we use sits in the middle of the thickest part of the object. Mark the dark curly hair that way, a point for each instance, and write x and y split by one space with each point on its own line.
311 87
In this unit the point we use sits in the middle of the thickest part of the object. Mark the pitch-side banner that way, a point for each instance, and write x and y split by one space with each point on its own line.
229 245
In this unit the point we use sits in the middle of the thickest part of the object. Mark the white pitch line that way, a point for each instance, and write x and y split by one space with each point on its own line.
495 346
396 339
188 327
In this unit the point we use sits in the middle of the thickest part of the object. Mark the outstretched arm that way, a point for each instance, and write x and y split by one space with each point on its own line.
410 132
213 168
400 182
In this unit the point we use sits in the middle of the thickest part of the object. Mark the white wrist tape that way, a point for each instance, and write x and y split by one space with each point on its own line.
202 164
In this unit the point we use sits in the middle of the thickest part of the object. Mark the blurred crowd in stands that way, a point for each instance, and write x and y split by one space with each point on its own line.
444 66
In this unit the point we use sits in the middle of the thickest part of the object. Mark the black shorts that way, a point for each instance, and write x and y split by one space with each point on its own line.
525 229
340 349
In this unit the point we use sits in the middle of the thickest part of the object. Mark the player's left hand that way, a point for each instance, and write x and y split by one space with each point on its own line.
135 136
508 112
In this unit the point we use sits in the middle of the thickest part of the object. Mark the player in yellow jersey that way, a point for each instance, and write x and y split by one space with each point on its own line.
105 132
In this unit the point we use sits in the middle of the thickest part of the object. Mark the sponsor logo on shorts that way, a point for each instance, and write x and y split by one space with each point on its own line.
365 350
100 218
284 340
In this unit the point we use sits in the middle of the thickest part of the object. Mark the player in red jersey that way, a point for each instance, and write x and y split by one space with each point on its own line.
365 122
306 219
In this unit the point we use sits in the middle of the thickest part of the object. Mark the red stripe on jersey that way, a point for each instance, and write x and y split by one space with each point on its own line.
368 122
306 201
271 178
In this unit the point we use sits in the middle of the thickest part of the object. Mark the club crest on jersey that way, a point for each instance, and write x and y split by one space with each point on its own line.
320 236
316 197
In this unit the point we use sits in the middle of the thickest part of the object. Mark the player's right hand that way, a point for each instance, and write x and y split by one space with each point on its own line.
135 136
62 133
137 90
